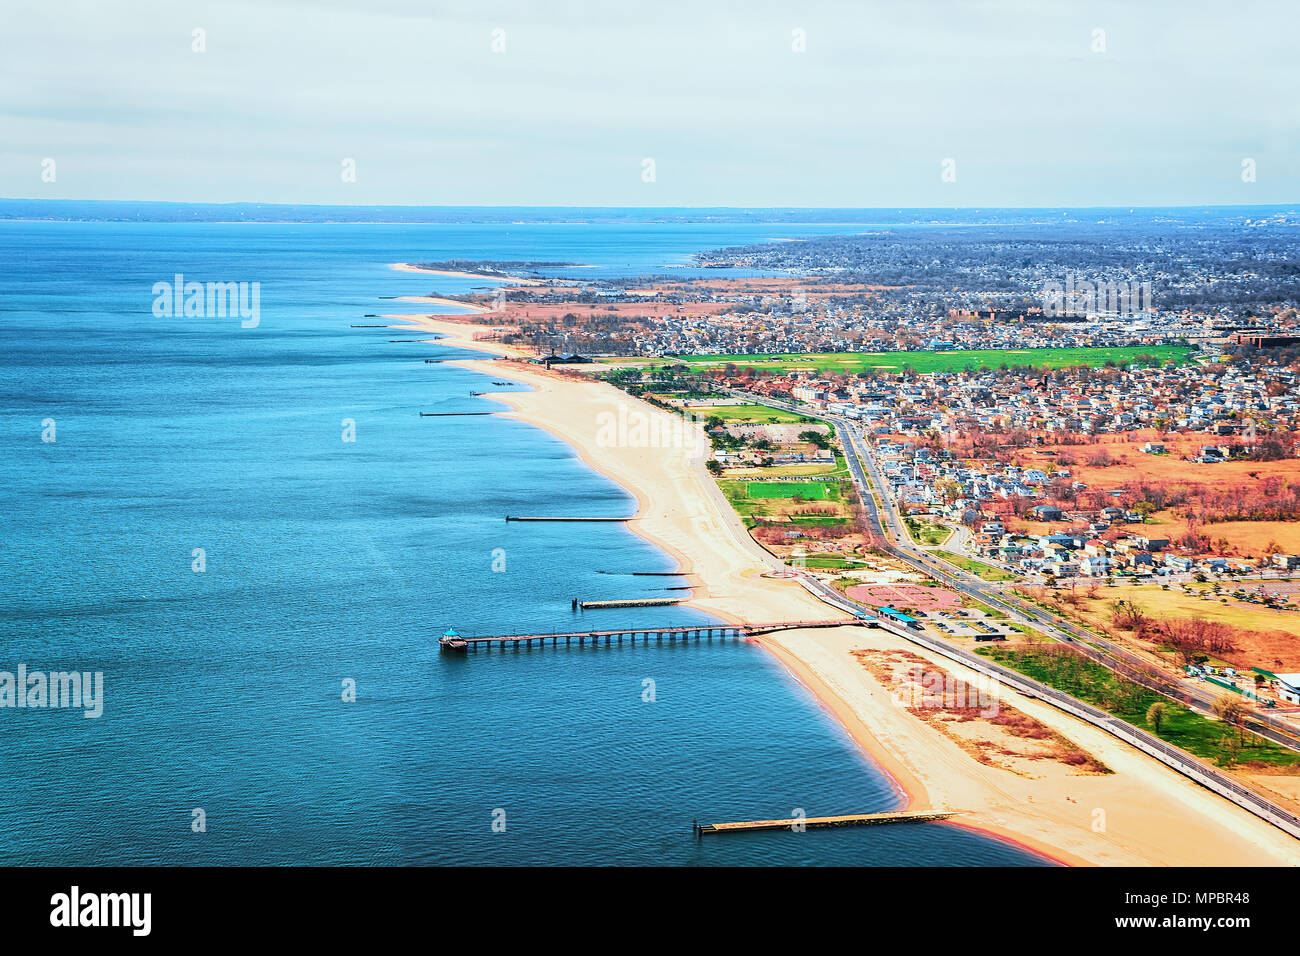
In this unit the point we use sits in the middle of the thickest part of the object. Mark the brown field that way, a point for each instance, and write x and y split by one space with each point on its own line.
991 731
1133 465
1244 538
1266 638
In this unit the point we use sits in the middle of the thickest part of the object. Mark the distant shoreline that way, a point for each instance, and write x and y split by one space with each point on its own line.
441 300
489 276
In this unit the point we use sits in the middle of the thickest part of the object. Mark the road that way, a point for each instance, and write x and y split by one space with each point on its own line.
886 521
905 550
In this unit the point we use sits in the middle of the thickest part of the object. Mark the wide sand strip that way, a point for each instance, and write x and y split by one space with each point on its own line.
1141 814
439 300
457 334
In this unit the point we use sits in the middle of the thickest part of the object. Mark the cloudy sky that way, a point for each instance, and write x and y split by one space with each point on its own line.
762 103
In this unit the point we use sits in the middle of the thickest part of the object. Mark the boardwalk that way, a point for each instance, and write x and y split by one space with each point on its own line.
452 641
558 518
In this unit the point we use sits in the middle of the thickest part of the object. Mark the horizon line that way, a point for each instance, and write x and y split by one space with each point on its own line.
731 208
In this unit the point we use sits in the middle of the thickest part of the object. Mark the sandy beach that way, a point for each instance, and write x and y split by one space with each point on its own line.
1141 813
516 280
459 334
439 300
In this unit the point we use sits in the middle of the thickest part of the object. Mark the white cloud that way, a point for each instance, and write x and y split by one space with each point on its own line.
711 90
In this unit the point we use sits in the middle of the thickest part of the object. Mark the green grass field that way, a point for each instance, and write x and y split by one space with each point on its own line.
986 571
833 564
809 490
1094 684
754 500
748 414
820 521
922 362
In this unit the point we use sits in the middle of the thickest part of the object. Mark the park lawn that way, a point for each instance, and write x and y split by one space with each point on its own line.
677 395
985 571
926 532
776 498
819 521
808 490
748 414
1182 727
737 494
853 362
833 564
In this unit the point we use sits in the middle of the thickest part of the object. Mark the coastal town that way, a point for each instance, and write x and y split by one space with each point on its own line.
1125 483
754 442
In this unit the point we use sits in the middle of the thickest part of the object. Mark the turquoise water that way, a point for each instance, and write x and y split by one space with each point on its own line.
329 561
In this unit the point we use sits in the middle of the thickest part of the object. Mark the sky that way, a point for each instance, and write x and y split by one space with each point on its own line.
664 103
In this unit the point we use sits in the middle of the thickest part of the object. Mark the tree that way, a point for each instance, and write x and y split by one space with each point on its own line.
1229 709
1156 715
1129 616
714 466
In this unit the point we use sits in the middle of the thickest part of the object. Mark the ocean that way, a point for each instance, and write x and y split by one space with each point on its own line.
201 531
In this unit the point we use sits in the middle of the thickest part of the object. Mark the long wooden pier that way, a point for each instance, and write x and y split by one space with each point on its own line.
817 823
555 517
457 642
568 638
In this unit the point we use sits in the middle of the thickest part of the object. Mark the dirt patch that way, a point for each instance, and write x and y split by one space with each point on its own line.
903 596
974 717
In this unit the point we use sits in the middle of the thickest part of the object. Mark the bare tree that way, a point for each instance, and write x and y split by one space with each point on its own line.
1230 709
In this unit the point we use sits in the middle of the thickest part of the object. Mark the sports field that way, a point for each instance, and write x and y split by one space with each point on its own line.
853 362
809 490
747 414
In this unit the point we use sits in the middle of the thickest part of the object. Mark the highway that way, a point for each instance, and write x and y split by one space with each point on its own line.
1203 773
886 522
